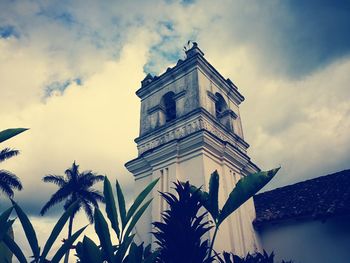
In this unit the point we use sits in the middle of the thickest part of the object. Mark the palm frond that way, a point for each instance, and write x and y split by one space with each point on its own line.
6 189
88 178
93 196
10 179
87 207
70 200
59 196
7 153
73 172
55 179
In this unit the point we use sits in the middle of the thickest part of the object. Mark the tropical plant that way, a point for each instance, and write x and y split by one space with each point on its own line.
38 256
89 252
75 187
250 258
180 234
123 224
9 181
140 254
245 188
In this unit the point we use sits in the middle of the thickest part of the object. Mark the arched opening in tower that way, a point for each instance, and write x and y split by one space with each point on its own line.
169 106
220 105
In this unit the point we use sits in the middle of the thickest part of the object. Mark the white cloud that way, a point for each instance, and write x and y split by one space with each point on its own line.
300 124
94 124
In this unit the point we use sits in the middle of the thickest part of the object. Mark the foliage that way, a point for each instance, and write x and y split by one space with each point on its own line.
5 252
180 235
9 181
75 187
122 223
9 133
245 188
30 234
89 252
250 258
140 254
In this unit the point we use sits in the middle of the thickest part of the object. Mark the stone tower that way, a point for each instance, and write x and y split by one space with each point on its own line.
190 125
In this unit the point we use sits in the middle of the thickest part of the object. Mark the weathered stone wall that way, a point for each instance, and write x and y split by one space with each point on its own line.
185 88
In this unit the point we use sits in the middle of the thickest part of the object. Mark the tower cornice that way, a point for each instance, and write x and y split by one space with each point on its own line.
202 142
199 119
183 67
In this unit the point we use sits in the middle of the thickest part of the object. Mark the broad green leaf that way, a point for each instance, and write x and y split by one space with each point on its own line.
9 133
5 215
28 230
123 248
5 253
121 204
214 195
102 232
147 251
135 253
66 246
152 258
245 189
15 249
203 196
58 228
136 218
91 252
4 228
139 199
111 209
79 252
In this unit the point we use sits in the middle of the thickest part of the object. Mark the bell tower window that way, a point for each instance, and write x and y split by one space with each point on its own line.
169 106
220 105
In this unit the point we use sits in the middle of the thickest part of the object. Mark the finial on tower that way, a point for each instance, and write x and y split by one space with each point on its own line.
148 79
191 49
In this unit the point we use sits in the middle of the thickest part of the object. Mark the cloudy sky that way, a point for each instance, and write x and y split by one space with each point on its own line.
69 71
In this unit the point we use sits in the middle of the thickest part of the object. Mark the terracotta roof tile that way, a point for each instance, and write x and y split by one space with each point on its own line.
320 197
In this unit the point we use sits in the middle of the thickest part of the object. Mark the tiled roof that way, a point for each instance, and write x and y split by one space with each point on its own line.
320 197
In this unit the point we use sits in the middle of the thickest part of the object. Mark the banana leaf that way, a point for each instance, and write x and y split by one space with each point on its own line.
9 133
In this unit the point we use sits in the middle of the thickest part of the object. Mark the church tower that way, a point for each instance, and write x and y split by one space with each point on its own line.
190 126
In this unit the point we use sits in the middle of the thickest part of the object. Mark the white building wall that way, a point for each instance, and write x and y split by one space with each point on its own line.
309 241
143 228
236 234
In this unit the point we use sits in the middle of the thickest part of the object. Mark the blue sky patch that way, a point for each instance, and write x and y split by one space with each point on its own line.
8 31
61 16
60 86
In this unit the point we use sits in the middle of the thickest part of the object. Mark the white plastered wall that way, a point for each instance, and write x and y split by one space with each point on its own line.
236 234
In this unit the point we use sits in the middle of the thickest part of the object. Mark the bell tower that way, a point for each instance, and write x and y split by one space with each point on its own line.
190 125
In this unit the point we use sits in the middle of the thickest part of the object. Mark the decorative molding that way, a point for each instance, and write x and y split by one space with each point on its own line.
212 96
184 130
180 94
155 109
228 112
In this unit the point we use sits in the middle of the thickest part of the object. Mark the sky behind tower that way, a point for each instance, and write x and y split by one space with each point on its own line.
69 71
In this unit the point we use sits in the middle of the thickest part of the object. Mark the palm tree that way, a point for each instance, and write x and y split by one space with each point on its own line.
75 186
8 181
